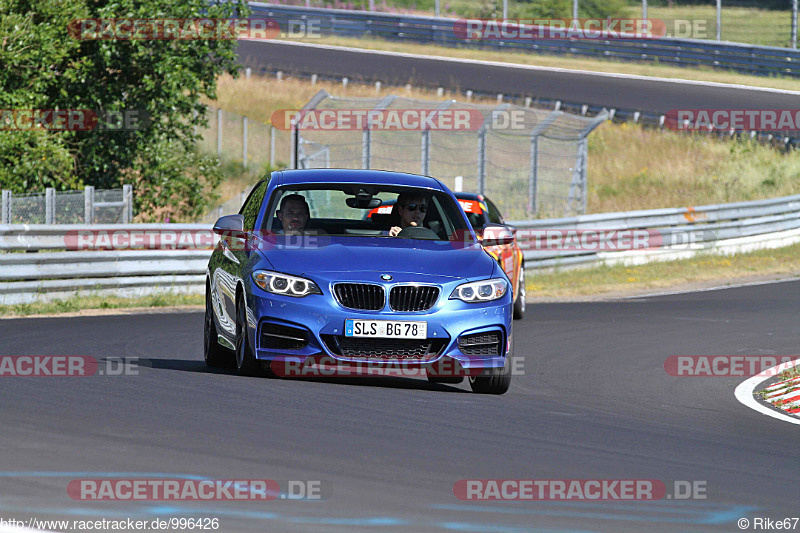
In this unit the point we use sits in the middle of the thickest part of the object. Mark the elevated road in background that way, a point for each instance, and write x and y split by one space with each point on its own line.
656 95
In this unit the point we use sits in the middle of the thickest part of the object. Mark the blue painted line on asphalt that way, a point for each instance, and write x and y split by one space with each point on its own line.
100 474
486 528
723 515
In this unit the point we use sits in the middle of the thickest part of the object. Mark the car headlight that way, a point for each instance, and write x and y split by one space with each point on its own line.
278 283
481 291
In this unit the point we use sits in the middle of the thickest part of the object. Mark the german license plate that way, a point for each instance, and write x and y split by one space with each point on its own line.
388 329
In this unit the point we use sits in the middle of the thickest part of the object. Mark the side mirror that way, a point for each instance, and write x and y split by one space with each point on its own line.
229 225
497 235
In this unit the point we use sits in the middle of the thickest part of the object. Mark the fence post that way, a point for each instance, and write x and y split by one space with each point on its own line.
584 148
293 149
88 204
244 142
272 146
127 204
482 160
426 150
49 206
219 132
719 20
794 24
575 183
533 177
365 147
5 208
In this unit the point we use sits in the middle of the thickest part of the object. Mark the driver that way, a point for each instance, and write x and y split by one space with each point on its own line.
293 214
412 210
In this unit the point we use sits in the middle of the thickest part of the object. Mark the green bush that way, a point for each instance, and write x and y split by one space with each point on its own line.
172 184
44 67
31 161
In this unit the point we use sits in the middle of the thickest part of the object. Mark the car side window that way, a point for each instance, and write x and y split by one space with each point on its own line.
252 205
493 213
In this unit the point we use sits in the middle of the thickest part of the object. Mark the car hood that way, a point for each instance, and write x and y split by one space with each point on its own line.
404 259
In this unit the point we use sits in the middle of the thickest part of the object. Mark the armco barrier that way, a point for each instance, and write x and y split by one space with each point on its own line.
37 266
753 59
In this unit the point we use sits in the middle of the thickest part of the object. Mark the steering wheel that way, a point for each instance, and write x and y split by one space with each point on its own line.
418 232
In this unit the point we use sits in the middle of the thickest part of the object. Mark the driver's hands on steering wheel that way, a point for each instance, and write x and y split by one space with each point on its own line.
396 229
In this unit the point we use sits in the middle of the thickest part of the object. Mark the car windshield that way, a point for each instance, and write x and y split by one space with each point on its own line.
365 211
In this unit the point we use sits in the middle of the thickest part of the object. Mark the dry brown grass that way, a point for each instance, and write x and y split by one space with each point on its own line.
630 167
637 168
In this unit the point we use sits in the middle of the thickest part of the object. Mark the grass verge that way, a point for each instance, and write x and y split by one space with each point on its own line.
615 281
82 303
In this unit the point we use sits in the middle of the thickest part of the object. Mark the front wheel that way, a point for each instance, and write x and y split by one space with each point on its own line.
246 363
519 303
214 353
493 380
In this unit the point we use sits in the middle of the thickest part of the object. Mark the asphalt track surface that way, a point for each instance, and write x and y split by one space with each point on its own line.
594 403
578 87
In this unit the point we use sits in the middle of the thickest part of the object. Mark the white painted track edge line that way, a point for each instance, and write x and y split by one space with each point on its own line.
679 81
744 393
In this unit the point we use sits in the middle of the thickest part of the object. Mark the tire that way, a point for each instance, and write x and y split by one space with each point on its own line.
214 354
246 363
493 380
519 303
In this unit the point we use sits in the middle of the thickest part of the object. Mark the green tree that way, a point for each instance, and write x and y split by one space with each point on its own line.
47 67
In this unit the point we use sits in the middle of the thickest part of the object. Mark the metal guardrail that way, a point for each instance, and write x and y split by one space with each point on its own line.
668 233
679 233
753 59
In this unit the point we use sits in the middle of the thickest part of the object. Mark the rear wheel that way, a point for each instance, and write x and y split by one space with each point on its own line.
519 303
213 352
246 362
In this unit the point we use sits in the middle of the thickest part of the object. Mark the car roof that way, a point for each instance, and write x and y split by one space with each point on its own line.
341 175
469 196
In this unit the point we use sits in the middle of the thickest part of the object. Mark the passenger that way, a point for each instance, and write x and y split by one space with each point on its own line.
412 209
293 214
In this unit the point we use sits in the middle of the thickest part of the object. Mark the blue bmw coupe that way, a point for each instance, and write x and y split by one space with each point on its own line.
300 277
